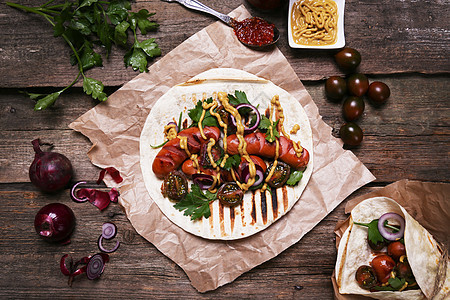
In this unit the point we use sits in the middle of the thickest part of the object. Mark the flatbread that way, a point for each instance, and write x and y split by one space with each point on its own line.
429 266
258 210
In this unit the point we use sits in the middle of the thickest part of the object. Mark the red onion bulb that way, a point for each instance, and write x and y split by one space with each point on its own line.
50 171
55 222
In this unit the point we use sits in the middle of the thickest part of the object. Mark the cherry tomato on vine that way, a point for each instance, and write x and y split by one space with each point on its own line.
348 59
336 87
357 84
351 134
378 92
353 108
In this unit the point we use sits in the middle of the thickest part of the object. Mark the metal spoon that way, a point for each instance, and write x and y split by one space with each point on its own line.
196 5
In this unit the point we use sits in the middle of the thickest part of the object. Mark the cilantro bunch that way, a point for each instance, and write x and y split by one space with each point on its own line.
85 24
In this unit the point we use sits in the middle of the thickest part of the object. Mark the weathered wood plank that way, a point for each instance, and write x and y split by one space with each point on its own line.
393 36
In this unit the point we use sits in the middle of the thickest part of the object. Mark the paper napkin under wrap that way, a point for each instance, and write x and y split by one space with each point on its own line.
114 129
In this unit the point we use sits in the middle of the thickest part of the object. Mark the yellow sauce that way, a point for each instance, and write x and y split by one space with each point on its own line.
295 128
170 131
184 144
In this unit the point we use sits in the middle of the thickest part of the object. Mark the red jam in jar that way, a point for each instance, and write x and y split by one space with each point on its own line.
254 31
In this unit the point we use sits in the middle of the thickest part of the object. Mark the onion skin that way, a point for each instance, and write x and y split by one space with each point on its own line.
50 171
55 222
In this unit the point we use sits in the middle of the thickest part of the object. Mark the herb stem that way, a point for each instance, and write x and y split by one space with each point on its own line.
47 3
28 9
391 227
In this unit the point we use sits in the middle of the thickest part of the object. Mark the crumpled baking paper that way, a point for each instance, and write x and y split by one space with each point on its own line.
114 129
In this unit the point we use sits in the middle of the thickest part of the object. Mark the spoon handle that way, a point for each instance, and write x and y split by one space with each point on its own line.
196 5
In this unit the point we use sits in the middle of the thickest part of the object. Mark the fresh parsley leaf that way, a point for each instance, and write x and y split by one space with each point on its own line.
373 234
140 20
137 59
94 88
89 58
395 284
232 162
120 33
150 47
117 11
294 178
265 126
196 113
47 101
86 3
196 203
238 98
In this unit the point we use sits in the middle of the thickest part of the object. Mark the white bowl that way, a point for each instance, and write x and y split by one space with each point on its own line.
340 41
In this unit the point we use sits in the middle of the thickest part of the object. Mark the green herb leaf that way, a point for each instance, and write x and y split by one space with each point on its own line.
238 98
117 11
196 203
137 59
294 178
140 19
150 47
47 101
265 126
86 3
232 162
120 33
89 58
373 234
94 88
196 113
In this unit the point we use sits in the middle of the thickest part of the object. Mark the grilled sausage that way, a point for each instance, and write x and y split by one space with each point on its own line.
171 156
258 145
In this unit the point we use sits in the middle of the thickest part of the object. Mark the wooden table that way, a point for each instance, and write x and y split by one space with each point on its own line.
403 43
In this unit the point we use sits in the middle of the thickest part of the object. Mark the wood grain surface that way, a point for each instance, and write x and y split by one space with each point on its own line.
403 43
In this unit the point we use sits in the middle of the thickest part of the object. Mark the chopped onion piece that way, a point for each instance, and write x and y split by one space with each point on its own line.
259 176
109 230
111 171
255 112
386 233
63 266
72 193
204 181
96 265
100 245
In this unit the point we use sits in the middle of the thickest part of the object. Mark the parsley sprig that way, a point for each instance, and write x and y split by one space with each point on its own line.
196 203
373 234
269 128
196 113
85 23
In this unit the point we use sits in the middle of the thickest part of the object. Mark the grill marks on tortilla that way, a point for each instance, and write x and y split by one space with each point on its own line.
264 208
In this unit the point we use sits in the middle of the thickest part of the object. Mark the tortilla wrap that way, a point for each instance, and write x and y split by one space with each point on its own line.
258 210
428 264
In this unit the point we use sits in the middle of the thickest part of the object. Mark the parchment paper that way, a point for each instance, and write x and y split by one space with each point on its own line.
114 128
427 202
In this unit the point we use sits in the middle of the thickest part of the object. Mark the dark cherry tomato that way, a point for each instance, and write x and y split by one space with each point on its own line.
378 92
382 266
230 194
378 246
403 270
175 186
353 108
396 250
357 84
348 59
279 176
365 276
216 153
336 88
351 134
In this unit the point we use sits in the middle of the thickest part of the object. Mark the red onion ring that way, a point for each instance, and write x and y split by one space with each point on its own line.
255 111
204 181
176 126
388 235
72 193
109 230
96 266
63 266
100 245
259 173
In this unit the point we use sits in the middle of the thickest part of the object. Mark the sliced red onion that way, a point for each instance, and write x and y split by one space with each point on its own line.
387 234
259 176
102 248
255 111
96 265
111 171
109 230
204 181
72 193
113 195
173 123
63 266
